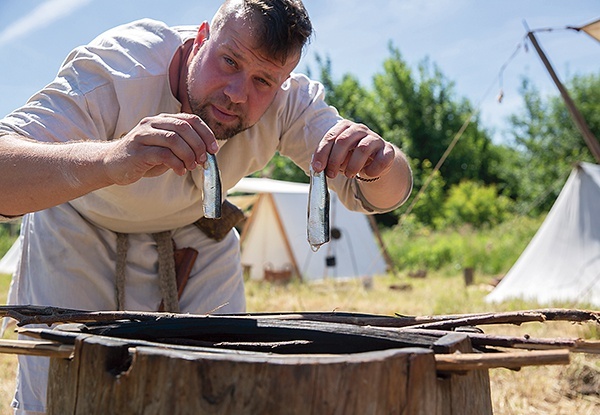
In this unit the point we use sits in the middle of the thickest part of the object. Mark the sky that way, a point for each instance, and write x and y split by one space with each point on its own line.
479 45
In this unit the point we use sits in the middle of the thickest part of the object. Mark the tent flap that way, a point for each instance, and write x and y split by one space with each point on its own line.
561 264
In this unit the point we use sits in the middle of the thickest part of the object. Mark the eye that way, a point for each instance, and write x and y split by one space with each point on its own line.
229 61
263 81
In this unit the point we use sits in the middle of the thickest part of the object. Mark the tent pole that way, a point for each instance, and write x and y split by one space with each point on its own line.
383 249
588 136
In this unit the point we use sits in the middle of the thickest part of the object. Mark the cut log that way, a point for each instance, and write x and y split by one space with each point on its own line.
106 377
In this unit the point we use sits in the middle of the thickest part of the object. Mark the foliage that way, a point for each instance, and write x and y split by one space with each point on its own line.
548 141
427 207
491 250
420 113
8 234
472 203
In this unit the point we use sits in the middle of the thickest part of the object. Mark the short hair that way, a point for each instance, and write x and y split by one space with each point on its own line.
283 29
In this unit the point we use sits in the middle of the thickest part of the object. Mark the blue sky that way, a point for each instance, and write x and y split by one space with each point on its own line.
469 40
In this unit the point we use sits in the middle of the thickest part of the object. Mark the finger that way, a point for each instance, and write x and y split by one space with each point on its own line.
203 131
320 160
381 163
128 160
347 151
162 136
162 160
180 133
363 155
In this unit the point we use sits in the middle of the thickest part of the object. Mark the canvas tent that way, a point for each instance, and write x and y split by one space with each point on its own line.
562 261
8 263
274 236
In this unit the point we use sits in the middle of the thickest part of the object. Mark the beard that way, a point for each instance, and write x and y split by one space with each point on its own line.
220 130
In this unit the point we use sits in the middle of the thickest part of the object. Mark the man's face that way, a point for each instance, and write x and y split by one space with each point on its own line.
230 82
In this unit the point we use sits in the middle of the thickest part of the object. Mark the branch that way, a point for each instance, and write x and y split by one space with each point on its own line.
530 343
510 317
30 314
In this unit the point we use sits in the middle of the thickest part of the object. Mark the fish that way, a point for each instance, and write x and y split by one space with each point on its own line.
212 195
317 228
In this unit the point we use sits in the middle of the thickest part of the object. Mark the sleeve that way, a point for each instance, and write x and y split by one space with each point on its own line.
62 110
97 84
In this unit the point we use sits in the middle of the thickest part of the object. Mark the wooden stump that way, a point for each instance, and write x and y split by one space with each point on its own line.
247 365
107 377
468 274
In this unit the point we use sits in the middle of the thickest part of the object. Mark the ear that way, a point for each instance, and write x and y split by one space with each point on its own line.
201 36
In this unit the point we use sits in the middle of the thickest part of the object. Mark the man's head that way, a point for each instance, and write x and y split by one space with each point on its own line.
282 27
234 76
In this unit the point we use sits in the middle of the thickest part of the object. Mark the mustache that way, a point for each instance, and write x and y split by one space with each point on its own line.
225 103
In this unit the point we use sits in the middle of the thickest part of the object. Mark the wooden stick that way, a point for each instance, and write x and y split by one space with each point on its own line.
530 343
458 362
28 314
36 348
511 317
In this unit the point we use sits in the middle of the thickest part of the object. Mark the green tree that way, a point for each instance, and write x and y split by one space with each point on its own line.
421 114
548 141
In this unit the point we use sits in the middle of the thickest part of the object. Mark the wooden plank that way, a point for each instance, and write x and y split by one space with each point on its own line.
421 387
462 393
36 348
510 360
452 342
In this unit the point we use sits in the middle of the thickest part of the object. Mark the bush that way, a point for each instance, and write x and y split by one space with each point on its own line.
491 251
474 204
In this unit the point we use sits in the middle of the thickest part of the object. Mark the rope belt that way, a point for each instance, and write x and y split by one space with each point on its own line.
174 266
166 270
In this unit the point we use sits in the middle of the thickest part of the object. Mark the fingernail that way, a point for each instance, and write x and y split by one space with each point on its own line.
214 147
317 166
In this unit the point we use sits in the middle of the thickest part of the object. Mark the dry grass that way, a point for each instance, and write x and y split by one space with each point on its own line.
551 390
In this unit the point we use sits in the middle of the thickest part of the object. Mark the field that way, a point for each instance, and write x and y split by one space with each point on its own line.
552 390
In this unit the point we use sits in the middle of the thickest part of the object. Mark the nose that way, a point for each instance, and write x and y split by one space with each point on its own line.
236 89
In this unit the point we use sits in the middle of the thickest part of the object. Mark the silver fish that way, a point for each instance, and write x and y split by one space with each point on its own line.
317 229
211 197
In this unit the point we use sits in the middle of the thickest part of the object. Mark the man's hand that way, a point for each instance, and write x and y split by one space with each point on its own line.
157 144
353 149
40 175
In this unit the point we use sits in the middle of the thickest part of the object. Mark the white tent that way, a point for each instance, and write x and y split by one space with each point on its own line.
274 237
562 261
8 263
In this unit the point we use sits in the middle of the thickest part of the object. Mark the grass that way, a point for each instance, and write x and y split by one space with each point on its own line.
552 390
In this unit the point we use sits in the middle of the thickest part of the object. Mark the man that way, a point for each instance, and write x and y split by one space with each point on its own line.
104 164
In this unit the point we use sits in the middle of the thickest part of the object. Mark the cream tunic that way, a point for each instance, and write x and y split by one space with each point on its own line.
100 93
